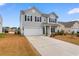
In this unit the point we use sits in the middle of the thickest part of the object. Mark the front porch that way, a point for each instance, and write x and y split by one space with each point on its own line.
48 29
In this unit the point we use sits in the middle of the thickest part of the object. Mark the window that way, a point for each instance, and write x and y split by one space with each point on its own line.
52 29
52 20
37 19
55 20
43 30
28 18
40 19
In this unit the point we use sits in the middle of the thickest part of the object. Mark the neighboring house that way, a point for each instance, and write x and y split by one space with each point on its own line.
0 24
33 22
10 30
5 29
69 27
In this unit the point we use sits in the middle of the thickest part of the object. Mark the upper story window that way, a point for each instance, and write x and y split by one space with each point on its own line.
40 19
55 20
37 19
52 20
28 18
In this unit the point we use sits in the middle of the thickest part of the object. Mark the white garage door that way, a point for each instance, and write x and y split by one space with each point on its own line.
33 31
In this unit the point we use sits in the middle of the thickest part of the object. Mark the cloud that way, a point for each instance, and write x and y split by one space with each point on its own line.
75 19
1 4
74 11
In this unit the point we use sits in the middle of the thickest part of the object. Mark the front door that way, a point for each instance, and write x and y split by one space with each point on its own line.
43 30
46 30
52 30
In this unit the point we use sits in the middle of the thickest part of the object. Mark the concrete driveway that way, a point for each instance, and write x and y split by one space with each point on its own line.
47 46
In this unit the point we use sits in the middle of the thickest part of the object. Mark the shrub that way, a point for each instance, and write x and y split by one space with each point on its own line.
18 31
53 35
60 32
57 33
6 31
72 33
77 34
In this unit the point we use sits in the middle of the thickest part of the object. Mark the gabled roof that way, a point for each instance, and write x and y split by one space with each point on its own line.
43 14
22 12
68 24
34 9
54 14
47 15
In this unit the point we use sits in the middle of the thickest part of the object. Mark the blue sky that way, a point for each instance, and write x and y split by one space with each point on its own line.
65 11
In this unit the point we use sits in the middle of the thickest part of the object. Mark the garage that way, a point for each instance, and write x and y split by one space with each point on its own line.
33 32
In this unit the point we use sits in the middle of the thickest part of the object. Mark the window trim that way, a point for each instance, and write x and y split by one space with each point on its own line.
52 20
28 18
37 19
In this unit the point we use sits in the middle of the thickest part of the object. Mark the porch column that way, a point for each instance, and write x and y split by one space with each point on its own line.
45 29
50 30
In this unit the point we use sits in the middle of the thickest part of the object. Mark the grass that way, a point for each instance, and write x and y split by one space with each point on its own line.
2 35
68 38
16 45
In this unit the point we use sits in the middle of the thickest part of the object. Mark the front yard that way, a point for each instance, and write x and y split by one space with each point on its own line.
68 38
15 45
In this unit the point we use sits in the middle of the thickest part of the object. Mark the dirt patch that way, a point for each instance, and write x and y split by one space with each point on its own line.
68 38
16 45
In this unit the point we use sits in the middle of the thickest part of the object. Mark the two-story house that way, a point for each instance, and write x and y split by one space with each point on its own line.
0 24
33 22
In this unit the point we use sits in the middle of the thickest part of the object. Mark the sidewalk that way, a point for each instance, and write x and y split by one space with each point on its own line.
47 46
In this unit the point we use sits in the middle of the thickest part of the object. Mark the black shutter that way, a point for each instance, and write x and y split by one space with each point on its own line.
35 18
25 17
28 18
31 18
49 19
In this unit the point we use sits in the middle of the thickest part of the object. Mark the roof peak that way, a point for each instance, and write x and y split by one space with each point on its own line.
44 14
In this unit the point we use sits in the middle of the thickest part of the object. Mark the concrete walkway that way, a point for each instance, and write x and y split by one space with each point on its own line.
47 46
